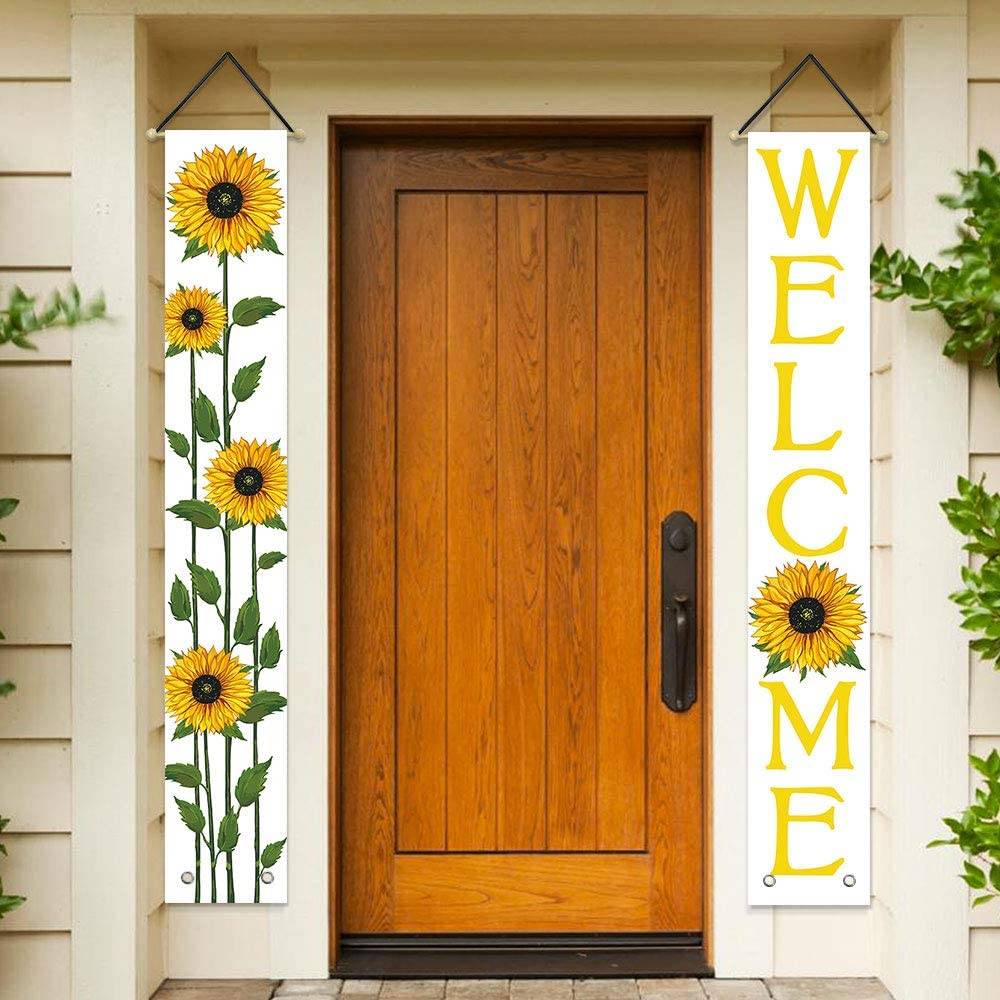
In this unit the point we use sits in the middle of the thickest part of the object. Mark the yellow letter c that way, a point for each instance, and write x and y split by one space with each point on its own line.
775 513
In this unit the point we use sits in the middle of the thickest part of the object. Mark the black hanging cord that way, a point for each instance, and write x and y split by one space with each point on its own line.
808 58
201 83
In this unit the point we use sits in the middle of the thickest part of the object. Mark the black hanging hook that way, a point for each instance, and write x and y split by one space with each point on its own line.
156 133
881 136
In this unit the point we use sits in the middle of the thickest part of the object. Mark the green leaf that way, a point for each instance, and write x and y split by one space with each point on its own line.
7 506
173 350
192 816
267 242
234 732
194 248
206 419
269 559
246 312
247 379
275 522
263 704
229 833
206 583
974 876
183 729
179 444
270 648
247 622
186 775
251 783
198 512
271 854
180 601
979 900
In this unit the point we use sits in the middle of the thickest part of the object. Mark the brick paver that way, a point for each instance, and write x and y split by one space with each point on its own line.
525 989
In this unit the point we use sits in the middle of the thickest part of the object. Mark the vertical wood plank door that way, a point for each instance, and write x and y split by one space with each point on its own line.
520 406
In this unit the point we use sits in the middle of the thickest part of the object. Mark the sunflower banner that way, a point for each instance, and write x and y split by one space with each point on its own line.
226 484
808 421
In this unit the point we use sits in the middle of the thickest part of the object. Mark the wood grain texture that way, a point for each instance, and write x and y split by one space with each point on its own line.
520 405
421 397
674 478
472 522
367 624
521 520
572 557
621 508
522 892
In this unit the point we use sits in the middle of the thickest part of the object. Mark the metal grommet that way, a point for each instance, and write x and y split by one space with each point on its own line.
850 881
187 877
267 877
770 881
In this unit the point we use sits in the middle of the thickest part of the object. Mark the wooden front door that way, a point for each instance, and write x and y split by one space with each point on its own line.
520 406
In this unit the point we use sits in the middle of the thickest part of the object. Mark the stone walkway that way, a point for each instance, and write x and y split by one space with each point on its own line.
526 989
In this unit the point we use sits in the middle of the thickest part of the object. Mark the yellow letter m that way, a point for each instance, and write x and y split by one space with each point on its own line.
781 700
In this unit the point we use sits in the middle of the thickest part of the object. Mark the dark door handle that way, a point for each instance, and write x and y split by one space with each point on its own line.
678 590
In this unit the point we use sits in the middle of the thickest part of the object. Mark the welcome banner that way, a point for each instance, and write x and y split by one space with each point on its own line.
226 485
808 453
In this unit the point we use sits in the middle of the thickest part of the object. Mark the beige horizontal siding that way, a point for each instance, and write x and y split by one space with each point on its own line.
38 866
36 409
42 706
43 764
41 110
35 597
42 519
34 43
36 966
36 221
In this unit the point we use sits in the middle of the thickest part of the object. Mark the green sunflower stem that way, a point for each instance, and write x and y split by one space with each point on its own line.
194 611
230 887
211 819
256 681
226 413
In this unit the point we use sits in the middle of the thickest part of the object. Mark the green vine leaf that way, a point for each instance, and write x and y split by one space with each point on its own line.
263 704
247 622
206 583
179 443
180 601
186 775
251 783
229 833
269 559
247 312
198 512
192 817
206 419
247 379
271 854
270 648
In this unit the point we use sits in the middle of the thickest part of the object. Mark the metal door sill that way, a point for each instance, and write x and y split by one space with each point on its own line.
521 956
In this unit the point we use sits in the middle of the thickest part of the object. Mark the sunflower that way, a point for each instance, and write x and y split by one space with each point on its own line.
193 319
807 617
248 481
227 201
207 689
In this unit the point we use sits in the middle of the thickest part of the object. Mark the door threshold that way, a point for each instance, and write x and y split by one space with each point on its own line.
520 956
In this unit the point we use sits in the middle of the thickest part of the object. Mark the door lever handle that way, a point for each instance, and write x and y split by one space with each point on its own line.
678 635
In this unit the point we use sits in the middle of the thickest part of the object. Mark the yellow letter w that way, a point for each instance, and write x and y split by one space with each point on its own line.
782 699
808 181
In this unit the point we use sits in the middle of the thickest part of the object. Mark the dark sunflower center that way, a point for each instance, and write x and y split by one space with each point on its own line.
192 319
224 200
248 481
806 615
206 689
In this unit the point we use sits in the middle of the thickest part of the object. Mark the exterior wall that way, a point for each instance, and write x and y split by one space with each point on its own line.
984 458
35 445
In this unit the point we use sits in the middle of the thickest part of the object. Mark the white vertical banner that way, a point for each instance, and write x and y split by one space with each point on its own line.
808 681
226 490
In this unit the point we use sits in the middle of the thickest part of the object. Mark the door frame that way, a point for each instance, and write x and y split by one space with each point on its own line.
621 129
